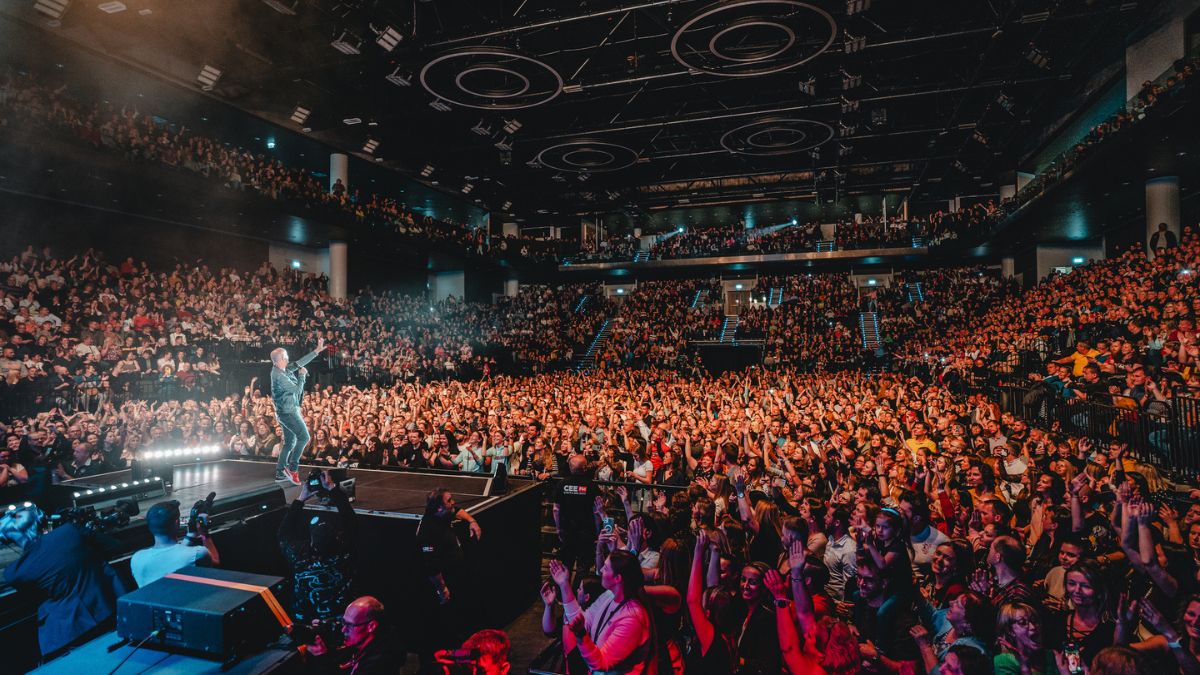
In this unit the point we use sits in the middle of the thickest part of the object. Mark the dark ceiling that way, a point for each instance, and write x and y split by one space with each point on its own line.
634 106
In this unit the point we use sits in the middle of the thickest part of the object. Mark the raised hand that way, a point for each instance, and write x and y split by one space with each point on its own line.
559 573
549 592
797 554
773 580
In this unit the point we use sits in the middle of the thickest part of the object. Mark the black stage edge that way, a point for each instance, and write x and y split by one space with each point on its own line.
500 576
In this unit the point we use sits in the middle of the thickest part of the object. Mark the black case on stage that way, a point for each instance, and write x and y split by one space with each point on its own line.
200 618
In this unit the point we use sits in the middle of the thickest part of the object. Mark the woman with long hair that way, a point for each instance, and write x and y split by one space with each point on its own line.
616 633
757 646
889 546
1090 625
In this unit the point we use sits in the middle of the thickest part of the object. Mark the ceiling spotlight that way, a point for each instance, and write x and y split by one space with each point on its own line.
1036 57
857 6
851 44
466 189
506 206
208 77
809 87
957 164
1005 102
848 105
399 79
300 115
427 171
850 81
347 43
52 8
511 126
370 145
439 105
480 129
351 121
504 144
845 130
583 176
979 138
111 7
844 150
388 38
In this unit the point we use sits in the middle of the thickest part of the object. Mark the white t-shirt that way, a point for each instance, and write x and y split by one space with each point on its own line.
151 564
922 557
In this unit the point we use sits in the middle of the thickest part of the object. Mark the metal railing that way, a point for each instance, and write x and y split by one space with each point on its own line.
1163 433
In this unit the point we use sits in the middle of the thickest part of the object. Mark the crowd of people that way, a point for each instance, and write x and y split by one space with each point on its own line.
812 327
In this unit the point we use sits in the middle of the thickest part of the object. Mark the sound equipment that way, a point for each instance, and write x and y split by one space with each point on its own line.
206 612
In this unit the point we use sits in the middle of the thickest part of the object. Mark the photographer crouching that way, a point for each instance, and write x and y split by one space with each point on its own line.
320 551
67 566
169 553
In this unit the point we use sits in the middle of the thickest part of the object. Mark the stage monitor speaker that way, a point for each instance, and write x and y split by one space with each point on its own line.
205 611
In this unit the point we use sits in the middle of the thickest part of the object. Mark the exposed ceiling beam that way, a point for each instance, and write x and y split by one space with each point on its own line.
556 22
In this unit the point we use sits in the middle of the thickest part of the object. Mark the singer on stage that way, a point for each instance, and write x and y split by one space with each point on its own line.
287 390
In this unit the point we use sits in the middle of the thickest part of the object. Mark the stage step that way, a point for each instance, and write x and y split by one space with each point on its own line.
915 292
729 328
641 256
868 328
587 361
826 246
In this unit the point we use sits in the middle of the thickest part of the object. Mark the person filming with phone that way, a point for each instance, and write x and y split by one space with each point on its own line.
320 550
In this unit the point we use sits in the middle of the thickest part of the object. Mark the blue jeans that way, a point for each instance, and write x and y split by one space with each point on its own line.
295 439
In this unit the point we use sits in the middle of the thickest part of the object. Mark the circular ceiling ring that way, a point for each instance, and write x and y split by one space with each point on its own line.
767 62
544 82
715 49
797 137
806 135
523 81
587 155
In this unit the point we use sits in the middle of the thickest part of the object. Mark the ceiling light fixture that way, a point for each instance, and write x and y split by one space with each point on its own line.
300 115
857 6
351 121
511 126
399 79
466 189
208 77
439 105
427 171
347 43
852 44
282 6
389 38
52 8
370 145
111 7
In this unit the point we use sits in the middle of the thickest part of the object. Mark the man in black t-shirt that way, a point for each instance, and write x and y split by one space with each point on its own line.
412 453
574 499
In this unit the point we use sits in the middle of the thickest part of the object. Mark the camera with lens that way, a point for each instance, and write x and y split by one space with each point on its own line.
198 515
94 520
329 630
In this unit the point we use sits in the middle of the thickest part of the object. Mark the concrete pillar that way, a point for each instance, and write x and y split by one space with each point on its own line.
339 167
954 204
1162 206
1008 267
511 287
337 269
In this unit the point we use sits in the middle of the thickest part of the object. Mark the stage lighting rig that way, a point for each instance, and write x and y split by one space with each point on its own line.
427 171
852 44
399 78
504 144
850 81
388 38
439 105
481 129
370 145
300 115
857 6
809 87
347 43
848 105
208 77
1037 57
100 495
52 8
511 126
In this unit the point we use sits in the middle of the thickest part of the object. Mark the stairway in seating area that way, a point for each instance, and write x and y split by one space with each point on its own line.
774 297
583 301
587 361
696 300
915 292
641 256
868 328
729 328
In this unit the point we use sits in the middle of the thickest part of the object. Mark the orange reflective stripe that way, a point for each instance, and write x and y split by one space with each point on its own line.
264 592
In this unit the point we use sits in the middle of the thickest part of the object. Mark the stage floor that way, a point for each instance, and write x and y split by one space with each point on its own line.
393 493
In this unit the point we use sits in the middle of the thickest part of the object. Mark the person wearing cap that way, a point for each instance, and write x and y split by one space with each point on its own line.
169 553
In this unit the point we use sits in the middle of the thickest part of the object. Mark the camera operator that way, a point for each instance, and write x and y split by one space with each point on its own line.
169 553
365 650
574 500
68 567
320 550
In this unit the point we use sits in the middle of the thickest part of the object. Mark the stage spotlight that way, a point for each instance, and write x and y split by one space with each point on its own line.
208 77
398 78
511 126
852 44
388 38
347 43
